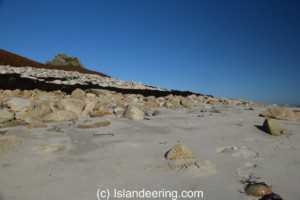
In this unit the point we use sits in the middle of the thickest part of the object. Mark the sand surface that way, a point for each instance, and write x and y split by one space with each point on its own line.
229 148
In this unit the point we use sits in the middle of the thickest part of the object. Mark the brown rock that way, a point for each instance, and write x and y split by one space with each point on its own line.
179 152
272 127
185 103
133 113
61 115
5 116
96 125
100 113
156 112
77 94
281 113
13 124
216 111
74 105
36 125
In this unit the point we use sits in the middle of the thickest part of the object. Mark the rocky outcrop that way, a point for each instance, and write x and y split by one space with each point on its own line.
64 60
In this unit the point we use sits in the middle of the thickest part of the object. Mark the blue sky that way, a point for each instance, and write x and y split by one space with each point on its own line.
246 49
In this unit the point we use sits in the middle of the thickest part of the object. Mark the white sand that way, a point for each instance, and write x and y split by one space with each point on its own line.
228 148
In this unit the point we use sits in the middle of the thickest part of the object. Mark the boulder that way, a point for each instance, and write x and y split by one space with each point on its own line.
64 60
90 106
282 113
5 116
74 105
100 113
133 113
78 94
18 104
185 103
156 112
36 125
272 127
61 115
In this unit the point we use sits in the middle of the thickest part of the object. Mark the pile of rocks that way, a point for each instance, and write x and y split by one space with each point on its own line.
35 107
55 76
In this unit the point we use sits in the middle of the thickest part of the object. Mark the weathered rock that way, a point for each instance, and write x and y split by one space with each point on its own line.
185 103
36 125
176 102
36 113
156 112
133 113
13 124
78 94
272 127
74 105
105 93
281 113
64 60
90 106
18 104
216 111
61 115
179 152
95 125
100 113
5 116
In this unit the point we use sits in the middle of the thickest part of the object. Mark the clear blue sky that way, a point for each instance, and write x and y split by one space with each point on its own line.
247 49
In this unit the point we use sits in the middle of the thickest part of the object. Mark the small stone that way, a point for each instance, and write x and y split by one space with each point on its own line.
95 125
156 112
258 189
179 152
216 111
36 125
272 127
100 113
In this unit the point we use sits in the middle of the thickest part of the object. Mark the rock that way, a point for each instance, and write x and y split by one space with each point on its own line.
272 127
77 94
18 104
179 152
36 113
5 116
36 125
118 111
13 124
100 113
74 105
95 125
64 60
61 115
90 106
133 113
258 189
216 111
156 112
105 93
203 110
281 113
185 103
176 102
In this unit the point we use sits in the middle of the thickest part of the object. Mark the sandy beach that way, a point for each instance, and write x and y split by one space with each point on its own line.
230 148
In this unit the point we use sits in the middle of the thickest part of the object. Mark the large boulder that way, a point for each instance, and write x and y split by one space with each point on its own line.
281 113
74 105
5 116
18 104
61 115
133 113
64 60
272 127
